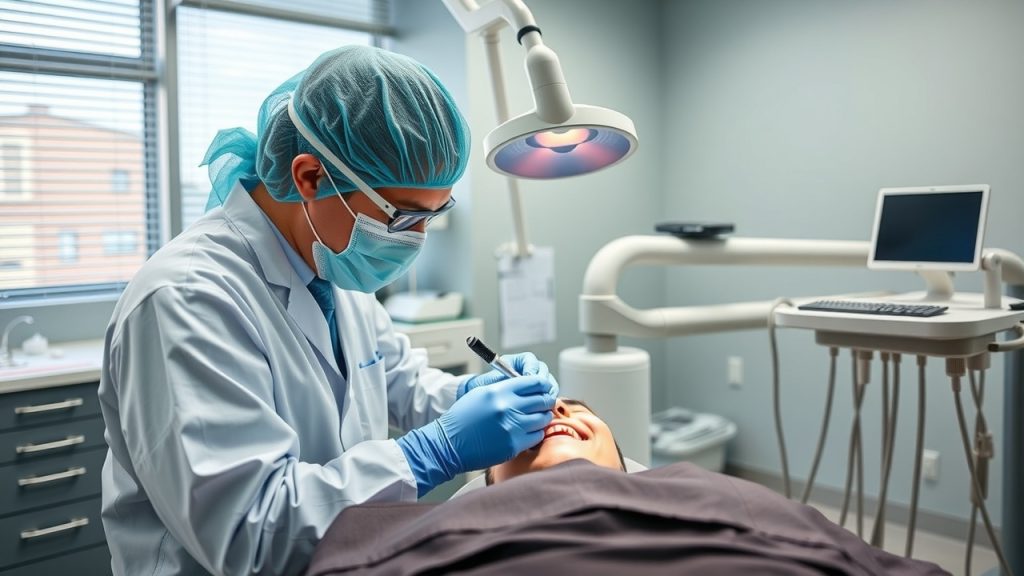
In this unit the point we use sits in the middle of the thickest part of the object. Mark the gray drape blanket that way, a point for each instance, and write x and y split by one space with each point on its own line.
578 518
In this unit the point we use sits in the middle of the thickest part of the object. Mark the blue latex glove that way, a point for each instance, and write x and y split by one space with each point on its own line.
487 426
525 363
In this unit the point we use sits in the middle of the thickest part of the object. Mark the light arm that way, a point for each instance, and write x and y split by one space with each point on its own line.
491 38
550 92
491 16
489 19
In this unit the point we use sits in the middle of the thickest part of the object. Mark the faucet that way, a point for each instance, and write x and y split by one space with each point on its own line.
6 358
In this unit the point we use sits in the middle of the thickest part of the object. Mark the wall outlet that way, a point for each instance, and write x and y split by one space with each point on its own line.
734 371
930 465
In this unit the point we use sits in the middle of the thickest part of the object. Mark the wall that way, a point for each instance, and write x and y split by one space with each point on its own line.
575 216
785 117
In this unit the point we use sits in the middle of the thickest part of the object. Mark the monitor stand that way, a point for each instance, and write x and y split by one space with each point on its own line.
939 285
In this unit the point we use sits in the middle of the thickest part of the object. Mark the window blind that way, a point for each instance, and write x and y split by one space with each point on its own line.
77 144
232 54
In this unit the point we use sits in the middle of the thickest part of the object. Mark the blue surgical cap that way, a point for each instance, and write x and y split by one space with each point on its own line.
385 115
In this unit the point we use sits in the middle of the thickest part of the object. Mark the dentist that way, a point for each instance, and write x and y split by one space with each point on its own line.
250 376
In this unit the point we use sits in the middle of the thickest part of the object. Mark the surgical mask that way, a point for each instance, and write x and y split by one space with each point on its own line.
374 257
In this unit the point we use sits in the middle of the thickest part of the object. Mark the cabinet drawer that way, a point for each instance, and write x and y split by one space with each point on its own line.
446 344
43 533
49 405
443 352
33 444
50 481
93 562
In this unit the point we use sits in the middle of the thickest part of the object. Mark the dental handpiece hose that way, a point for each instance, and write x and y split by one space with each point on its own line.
488 356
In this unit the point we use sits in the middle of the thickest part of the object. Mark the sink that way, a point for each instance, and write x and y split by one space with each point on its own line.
67 363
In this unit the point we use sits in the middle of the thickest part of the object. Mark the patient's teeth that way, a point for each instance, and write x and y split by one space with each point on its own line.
563 429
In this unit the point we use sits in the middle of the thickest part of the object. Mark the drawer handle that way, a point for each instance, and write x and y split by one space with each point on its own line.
37 480
32 448
69 525
65 405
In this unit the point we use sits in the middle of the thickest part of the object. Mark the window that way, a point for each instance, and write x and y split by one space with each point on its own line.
120 242
77 129
120 180
67 247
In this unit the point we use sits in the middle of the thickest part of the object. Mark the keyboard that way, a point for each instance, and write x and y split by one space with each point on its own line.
882 308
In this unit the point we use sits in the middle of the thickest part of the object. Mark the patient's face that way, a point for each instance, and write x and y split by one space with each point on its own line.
574 432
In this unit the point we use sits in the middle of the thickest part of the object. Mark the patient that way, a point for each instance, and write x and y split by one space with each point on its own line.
566 506
574 432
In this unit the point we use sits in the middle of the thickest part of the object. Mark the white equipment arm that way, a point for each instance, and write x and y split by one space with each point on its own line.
604 316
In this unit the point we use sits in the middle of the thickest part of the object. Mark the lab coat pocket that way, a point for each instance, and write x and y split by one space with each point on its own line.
377 357
370 390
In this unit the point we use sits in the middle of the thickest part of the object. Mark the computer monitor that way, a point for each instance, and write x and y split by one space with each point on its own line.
929 228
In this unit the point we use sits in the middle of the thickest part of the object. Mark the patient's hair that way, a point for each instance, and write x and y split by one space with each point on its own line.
489 477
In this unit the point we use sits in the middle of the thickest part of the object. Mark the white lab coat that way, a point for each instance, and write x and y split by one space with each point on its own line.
228 453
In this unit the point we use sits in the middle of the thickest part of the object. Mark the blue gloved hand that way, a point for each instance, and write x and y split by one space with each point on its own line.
525 363
487 426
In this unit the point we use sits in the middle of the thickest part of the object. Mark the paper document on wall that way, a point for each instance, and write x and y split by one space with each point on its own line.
526 288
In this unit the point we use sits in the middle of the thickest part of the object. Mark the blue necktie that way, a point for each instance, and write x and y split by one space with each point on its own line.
323 293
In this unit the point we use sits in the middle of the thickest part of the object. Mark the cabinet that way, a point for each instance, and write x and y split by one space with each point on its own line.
51 455
445 343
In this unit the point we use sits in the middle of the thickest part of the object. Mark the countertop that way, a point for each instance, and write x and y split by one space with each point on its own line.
66 363
80 361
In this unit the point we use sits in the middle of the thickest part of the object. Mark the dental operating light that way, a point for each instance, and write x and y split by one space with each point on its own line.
558 138
592 138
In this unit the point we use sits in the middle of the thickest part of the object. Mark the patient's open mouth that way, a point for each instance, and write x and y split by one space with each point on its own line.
562 430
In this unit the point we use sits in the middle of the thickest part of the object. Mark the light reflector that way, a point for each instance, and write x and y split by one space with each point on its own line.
592 139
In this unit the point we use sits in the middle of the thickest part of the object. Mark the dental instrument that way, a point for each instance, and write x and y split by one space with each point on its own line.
490 357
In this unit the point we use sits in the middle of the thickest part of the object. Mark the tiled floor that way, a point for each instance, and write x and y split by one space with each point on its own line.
946 552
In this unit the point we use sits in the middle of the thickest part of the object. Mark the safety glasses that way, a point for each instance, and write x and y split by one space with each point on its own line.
398 218
406 219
